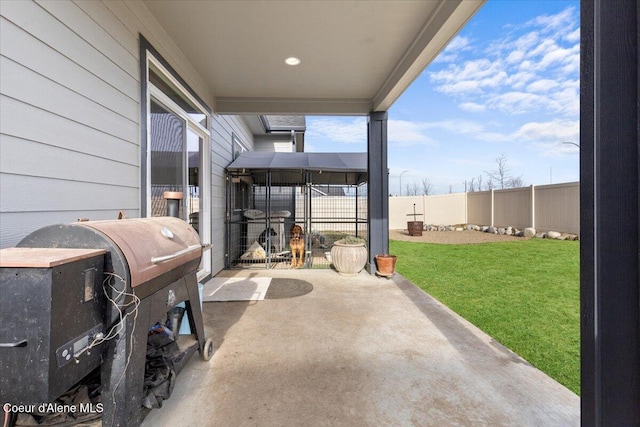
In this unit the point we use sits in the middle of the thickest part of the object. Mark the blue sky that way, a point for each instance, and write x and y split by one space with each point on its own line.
507 84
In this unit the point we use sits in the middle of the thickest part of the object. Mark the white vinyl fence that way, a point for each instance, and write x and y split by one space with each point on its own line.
546 207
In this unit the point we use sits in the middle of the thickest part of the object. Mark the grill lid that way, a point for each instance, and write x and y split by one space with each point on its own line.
152 246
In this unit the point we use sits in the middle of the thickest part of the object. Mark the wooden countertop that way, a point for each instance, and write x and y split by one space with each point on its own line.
44 257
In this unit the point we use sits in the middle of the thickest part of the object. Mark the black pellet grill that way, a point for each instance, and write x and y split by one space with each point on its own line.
67 287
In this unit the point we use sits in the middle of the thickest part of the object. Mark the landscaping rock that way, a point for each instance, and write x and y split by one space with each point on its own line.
484 229
492 230
519 233
509 231
529 232
441 227
540 235
459 229
502 231
553 235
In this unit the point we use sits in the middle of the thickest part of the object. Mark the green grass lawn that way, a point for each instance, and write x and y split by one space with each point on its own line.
523 294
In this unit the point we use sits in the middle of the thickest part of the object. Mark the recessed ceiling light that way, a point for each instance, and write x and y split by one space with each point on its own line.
292 60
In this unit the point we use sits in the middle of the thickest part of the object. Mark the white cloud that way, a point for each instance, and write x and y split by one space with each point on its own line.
472 107
404 133
473 130
543 85
346 131
473 76
531 70
573 36
515 56
553 132
554 23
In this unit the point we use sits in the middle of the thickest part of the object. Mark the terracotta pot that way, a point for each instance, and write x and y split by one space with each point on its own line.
348 259
414 228
385 264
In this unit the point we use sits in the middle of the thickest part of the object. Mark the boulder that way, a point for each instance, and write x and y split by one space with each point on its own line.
492 230
519 233
502 231
553 235
541 235
529 232
459 229
484 229
509 231
441 227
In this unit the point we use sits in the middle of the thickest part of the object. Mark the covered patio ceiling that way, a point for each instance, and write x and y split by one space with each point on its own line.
356 56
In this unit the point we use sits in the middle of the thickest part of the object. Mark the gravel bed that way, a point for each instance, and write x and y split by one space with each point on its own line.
451 237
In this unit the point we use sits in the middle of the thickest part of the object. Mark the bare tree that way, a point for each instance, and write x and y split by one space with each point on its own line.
450 188
515 182
472 185
479 182
412 189
489 185
427 187
501 173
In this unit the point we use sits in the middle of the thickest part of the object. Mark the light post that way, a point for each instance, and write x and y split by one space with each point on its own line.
401 181
572 143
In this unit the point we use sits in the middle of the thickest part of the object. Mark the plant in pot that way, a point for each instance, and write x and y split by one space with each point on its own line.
349 255
385 265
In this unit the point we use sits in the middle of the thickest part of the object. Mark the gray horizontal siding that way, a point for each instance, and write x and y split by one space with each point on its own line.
38 194
69 128
102 16
15 226
42 25
28 122
21 83
48 63
48 161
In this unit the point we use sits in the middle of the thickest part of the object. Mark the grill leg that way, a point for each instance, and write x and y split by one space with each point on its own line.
194 311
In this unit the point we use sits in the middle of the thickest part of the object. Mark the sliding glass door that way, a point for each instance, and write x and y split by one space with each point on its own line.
178 151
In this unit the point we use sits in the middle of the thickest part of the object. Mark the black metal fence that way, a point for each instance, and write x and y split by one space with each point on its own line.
263 207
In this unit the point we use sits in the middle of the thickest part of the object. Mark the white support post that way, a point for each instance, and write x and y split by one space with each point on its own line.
492 207
533 206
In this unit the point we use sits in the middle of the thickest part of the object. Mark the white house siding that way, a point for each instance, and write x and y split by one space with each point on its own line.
70 115
222 131
278 143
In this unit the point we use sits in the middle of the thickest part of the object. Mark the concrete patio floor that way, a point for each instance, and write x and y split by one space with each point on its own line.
357 351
